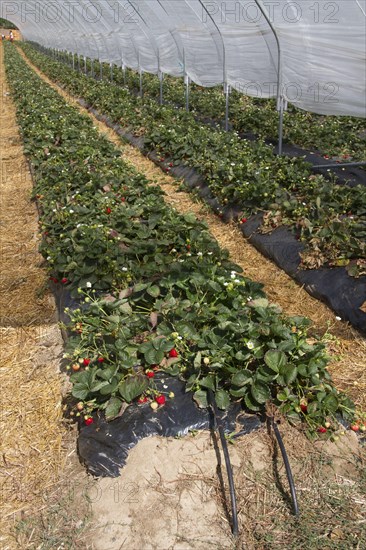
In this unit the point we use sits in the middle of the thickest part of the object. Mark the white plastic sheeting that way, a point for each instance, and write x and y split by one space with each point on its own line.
314 48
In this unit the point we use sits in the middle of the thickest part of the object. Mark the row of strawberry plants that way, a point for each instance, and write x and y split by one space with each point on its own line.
329 219
341 138
156 292
338 137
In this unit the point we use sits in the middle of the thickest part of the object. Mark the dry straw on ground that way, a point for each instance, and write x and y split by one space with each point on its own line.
32 455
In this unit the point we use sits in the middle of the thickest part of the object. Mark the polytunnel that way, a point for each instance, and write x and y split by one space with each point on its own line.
310 54
164 334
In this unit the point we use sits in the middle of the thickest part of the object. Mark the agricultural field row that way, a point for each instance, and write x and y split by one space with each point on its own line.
155 293
328 219
341 138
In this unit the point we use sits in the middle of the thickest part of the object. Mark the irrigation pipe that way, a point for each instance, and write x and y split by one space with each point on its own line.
338 165
219 426
287 464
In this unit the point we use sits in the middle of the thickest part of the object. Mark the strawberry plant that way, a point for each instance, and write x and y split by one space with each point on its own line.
238 171
155 291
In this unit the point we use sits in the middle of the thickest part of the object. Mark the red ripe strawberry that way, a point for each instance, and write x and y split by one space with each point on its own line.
150 374
160 399
354 427
322 430
173 353
88 421
64 281
162 159
244 220
170 164
100 359
143 400
123 199
86 362
304 408
53 279
108 210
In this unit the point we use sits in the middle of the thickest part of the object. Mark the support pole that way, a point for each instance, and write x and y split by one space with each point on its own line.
141 88
111 65
161 77
100 70
124 73
78 63
187 82
280 125
92 68
280 98
227 98
85 67
73 62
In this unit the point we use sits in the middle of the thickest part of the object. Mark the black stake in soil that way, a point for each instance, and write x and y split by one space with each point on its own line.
219 426
273 424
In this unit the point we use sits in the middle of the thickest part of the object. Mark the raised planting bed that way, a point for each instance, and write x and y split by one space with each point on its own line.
153 294
312 227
